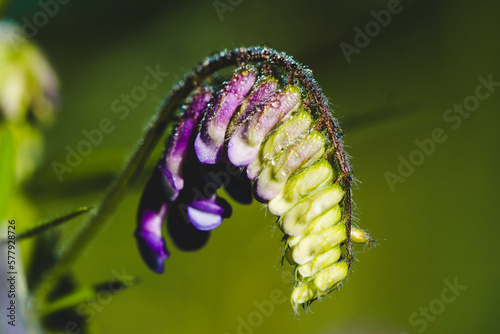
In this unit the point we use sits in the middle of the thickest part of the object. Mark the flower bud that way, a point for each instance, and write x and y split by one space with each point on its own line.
315 177
328 219
28 84
254 102
245 143
302 294
320 262
331 276
315 244
181 141
184 235
210 140
29 95
286 134
359 236
275 174
298 218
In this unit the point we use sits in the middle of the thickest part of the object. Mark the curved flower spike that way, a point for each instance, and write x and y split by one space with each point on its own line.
269 129
150 216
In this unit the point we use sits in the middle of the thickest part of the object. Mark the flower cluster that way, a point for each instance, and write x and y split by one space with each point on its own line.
263 124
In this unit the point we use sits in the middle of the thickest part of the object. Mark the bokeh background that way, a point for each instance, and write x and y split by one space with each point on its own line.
440 224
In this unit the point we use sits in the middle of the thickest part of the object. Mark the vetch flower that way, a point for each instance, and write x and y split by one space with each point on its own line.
267 130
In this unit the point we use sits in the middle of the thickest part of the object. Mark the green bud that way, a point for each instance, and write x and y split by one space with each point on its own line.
331 276
320 262
359 236
289 132
315 177
304 212
315 244
328 219
302 294
301 155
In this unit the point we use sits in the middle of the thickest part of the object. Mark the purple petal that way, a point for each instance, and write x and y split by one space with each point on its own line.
202 220
207 214
181 141
255 101
150 217
184 235
167 184
245 143
210 141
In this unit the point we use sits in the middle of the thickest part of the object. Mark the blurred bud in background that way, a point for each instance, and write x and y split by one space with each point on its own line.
29 93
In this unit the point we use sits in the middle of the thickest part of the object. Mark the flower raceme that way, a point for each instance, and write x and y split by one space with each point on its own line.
270 122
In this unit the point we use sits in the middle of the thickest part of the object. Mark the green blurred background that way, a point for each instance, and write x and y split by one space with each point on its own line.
440 224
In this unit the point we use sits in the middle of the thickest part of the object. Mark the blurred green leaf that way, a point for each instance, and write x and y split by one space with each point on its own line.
52 222
7 168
